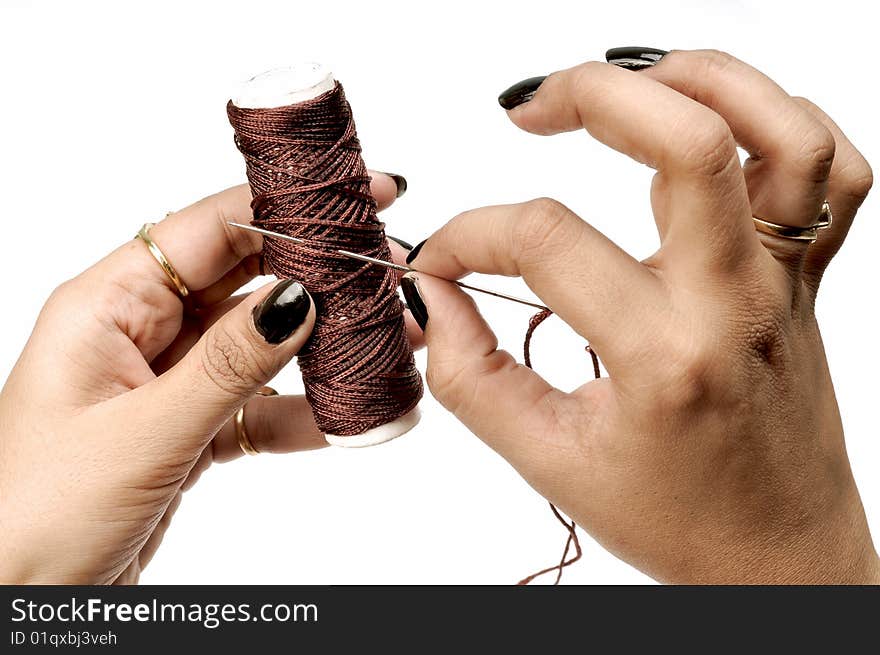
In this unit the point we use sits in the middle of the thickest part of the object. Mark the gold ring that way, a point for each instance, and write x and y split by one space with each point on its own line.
244 441
144 235
809 233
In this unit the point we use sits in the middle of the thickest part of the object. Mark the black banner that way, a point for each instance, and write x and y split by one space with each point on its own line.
433 619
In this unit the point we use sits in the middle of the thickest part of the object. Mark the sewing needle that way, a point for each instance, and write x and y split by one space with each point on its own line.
382 262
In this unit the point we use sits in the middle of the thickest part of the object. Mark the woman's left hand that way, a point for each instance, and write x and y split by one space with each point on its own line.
123 394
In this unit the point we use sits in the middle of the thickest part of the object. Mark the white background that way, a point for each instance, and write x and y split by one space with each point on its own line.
113 114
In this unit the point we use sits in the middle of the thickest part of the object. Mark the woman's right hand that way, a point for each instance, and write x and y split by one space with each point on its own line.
714 452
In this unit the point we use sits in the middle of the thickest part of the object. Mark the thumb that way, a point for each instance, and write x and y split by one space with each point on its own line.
507 405
239 354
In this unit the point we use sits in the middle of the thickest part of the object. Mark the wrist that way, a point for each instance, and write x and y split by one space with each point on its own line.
839 553
873 574
833 548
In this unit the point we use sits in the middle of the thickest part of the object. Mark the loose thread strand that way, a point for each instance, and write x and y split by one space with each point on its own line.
570 526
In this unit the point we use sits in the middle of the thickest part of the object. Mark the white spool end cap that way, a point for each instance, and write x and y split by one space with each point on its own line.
380 434
280 87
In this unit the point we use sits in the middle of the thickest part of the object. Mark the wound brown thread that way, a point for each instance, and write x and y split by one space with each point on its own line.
309 181
570 526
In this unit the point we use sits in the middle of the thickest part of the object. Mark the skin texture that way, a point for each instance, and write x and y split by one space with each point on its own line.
132 394
714 451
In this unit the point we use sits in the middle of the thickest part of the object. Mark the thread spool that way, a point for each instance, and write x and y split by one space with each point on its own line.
289 86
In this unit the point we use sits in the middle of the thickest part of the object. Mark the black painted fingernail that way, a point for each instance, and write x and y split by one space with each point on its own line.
634 57
414 300
415 252
282 311
520 92
399 181
400 242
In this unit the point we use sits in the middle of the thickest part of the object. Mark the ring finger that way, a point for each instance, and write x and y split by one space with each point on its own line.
790 150
274 424
848 186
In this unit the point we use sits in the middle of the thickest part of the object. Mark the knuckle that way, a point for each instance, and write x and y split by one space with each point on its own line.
698 361
699 64
817 153
62 293
56 307
854 175
541 212
543 225
463 388
98 300
709 149
222 207
447 382
585 79
806 103
229 362
691 361
240 242
857 178
714 60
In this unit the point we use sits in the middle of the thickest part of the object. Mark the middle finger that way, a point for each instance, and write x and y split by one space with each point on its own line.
707 226
791 152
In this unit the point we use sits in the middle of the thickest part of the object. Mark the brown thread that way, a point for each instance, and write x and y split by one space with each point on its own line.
570 526
308 180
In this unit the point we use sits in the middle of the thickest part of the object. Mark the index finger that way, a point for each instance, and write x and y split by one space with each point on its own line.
580 274
200 243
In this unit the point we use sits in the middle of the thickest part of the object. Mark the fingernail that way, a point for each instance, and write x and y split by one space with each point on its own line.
414 252
400 242
410 287
282 311
634 57
399 180
520 92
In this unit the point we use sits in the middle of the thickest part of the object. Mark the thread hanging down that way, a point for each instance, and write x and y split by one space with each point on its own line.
570 526
309 181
